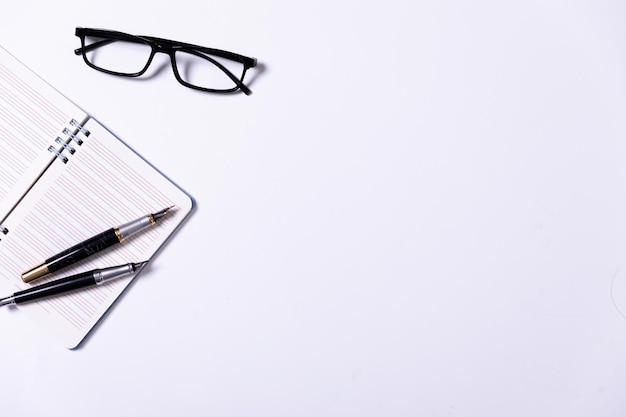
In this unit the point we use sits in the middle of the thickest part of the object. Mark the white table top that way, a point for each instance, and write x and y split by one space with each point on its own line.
419 212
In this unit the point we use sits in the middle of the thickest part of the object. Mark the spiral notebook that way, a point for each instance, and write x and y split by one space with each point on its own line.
64 178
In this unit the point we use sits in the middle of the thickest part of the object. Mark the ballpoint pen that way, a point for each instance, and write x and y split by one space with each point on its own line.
92 245
74 282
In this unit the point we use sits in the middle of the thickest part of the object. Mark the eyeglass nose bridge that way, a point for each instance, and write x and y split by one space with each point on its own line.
160 45
166 47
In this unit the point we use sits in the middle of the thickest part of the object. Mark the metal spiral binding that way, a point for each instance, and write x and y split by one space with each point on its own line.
66 143
72 136
58 154
79 127
67 146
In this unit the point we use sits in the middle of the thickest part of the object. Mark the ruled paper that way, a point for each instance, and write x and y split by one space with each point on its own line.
103 184
32 116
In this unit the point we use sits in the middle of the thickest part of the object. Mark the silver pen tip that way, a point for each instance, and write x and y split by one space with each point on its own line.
138 265
7 301
161 213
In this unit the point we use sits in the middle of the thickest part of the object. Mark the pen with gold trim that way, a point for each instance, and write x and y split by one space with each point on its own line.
92 245
74 282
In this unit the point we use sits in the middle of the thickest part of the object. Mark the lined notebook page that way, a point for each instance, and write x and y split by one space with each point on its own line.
103 184
32 116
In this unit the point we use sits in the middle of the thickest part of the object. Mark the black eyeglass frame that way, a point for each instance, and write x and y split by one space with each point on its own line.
168 47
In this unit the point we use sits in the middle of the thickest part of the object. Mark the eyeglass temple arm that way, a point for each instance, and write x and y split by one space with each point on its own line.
244 88
250 62
94 45
247 62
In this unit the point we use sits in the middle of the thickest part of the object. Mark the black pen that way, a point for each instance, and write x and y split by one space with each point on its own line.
74 282
92 245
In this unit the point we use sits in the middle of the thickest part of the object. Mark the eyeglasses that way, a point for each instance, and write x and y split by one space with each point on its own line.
196 67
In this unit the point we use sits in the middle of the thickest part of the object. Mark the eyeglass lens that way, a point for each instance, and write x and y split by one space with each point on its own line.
116 55
200 69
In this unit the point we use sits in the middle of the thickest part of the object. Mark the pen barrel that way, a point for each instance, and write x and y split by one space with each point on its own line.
132 228
107 274
59 286
82 250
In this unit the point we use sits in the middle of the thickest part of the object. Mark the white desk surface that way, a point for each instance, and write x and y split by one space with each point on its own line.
421 211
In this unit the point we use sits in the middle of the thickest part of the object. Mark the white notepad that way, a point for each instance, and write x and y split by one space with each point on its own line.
64 178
